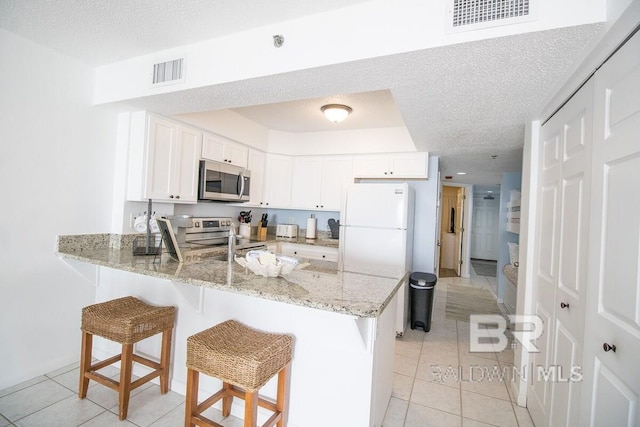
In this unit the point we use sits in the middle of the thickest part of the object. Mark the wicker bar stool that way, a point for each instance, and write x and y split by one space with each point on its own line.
244 359
126 321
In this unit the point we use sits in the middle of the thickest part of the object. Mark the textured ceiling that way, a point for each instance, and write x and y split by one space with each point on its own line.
463 102
105 31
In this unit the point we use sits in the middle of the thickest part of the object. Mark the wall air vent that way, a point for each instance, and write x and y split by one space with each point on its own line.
473 14
168 72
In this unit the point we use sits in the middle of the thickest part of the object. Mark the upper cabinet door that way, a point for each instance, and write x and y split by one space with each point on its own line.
277 189
306 183
392 166
220 149
409 165
186 163
161 142
337 174
371 167
163 160
256 165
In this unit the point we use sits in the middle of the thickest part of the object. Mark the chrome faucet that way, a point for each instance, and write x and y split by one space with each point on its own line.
231 246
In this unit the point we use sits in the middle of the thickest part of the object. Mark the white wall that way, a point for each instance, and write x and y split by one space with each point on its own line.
510 181
377 140
56 170
384 28
231 125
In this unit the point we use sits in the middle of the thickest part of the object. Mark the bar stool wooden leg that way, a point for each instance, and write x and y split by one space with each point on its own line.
191 403
85 363
251 409
282 397
126 364
227 400
164 360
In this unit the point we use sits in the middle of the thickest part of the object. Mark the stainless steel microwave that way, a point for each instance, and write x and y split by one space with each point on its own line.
221 182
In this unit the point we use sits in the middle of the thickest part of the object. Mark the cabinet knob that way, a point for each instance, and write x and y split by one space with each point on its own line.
391 173
607 347
324 256
316 206
322 206
178 196
564 305
385 173
171 196
295 252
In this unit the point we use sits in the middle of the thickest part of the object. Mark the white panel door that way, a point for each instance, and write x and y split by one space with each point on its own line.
611 389
544 264
561 261
484 237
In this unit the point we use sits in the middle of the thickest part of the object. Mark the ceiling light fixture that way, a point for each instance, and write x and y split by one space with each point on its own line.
461 173
336 112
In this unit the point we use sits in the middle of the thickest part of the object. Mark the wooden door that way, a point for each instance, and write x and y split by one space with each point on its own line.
459 229
611 390
484 230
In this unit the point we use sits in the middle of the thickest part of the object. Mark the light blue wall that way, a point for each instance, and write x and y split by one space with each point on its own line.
510 181
425 220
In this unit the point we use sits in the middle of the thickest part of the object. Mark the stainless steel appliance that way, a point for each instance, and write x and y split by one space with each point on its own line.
195 232
221 182
287 231
208 233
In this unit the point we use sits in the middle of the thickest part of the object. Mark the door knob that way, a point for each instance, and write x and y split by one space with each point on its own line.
564 305
607 347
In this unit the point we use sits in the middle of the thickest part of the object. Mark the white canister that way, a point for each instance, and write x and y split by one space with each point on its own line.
245 230
312 225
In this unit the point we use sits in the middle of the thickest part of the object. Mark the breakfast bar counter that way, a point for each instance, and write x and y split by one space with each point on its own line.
343 323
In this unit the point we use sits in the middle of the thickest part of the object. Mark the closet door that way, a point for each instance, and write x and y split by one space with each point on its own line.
560 260
612 376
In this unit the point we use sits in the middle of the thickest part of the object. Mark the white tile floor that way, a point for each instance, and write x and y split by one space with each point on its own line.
424 395
420 397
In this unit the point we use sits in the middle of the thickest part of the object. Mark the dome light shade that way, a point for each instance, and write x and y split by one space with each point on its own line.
336 112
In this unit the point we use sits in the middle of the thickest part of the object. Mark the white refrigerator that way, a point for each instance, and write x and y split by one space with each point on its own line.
376 235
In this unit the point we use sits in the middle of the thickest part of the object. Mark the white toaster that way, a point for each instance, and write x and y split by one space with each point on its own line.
288 231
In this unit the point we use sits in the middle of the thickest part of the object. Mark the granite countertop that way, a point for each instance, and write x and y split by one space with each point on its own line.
315 286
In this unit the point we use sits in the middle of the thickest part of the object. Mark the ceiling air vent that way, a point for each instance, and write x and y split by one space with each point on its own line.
472 14
169 72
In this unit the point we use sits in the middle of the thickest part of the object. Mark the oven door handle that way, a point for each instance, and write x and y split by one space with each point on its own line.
241 181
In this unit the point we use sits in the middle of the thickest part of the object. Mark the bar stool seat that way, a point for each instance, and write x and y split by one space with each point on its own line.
244 359
126 321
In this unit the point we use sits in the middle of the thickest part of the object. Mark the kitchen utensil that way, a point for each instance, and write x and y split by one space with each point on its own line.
245 217
334 226
263 219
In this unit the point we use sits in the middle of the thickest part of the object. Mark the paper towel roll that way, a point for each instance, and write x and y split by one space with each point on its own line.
312 225
140 224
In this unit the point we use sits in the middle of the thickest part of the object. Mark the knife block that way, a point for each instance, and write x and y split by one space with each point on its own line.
261 233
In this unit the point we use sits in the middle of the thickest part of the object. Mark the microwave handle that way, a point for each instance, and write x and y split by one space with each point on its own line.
241 180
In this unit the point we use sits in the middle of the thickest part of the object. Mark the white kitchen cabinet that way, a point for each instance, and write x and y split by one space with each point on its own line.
392 166
163 159
277 183
322 253
318 182
220 149
256 165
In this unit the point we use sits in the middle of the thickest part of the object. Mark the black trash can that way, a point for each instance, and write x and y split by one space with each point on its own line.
421 292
